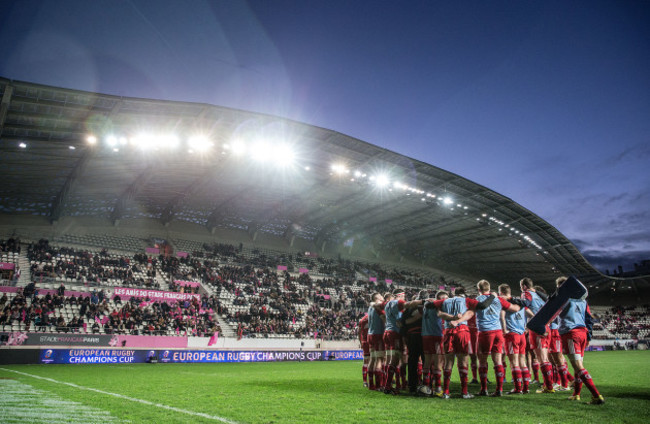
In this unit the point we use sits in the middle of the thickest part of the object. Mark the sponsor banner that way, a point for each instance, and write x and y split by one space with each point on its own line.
94 356
182 254
128 356
174 342
216 356
9 289
187 283
282 267
372 279
152 250
303 271
19 338
324 296
389 282
7 265
155 295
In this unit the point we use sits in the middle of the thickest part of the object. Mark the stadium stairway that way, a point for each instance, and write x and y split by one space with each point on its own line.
226 329
23 263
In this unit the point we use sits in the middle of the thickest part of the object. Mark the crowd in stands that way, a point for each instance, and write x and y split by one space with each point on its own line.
95 313
248 292
629 322
138 270
10 245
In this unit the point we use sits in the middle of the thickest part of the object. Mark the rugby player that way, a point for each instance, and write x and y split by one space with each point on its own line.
392 337
538 343
376 323
515 344
432 345
457 343
574 334
490 336
363 340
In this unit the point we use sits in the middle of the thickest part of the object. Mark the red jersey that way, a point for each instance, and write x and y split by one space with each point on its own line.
471 323
363 329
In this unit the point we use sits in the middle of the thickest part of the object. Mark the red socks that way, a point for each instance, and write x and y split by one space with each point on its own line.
483 375
536 370
389 377
547 373
516 377
500 374
564 375
364 370
437 375
525 374
583 374
462 371
474 370
447 380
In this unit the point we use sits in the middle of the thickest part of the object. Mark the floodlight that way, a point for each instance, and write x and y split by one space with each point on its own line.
261 152
111 140
357 174
71 147
447 201
168 141
22 145
199 143
339 168
91 139
144 141
284 155
382 180
238 148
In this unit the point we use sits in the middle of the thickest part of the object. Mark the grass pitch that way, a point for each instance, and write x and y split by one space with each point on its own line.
316 392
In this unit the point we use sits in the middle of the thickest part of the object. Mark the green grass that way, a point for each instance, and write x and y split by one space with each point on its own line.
330 392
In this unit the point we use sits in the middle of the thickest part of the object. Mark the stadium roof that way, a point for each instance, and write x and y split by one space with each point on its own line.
262 173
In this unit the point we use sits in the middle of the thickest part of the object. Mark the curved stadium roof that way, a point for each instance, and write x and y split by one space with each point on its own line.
423 216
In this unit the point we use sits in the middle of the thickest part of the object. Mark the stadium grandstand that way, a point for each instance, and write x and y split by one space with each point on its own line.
271 227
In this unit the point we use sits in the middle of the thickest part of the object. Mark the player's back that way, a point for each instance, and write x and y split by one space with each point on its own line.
432 325
573 315
489 319
392 310
516 321
455 306
375 323
536 302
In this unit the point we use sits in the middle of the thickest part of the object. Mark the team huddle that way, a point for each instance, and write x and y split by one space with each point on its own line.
428 335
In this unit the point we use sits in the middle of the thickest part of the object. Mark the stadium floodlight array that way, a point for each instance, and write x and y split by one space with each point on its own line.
382 181
281 154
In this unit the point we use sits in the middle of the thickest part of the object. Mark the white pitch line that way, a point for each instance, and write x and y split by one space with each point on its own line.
117 395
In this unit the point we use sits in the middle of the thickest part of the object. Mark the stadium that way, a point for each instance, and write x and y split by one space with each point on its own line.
263 237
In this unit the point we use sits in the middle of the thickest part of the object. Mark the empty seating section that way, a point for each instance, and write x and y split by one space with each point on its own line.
102 241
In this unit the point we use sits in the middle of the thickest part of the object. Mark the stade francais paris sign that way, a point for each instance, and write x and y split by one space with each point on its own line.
51 339
156 295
